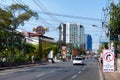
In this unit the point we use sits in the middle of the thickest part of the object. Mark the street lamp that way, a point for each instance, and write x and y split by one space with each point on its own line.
105 40
106 25
101 28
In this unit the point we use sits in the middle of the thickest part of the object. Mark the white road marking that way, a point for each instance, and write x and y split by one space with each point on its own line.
74 76
9 71
40 75
24 70
5 73
79 72
83 68
52 71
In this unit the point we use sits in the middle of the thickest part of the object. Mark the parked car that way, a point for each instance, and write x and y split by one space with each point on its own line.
78 60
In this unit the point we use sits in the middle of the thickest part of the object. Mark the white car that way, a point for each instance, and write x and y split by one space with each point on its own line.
78 60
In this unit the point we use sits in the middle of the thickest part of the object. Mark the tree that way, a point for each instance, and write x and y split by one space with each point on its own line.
115 19
5 21
115 23
20 14
81 51
10 19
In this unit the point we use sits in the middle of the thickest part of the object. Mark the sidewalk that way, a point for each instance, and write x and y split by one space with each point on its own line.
111 75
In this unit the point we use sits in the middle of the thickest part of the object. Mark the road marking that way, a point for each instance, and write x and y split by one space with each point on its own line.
24 70
79 72
83 68
6 73
10 71
74 76
52 71
40 75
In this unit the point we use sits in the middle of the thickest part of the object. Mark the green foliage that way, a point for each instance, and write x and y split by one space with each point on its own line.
47 47
101 47
12 41
117 45
55 49
81 51
37 57
5 19
115 23
21 13
10 19
30 48
115 19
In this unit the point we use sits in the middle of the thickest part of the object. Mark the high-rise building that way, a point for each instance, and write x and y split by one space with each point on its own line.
89 42
73 33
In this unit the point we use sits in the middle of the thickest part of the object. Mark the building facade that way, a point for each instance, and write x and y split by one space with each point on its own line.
73 33
89 42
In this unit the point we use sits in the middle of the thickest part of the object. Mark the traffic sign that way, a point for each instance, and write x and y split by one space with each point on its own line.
104 40
108 56
108 60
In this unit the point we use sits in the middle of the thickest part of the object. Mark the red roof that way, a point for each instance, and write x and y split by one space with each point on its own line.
35 35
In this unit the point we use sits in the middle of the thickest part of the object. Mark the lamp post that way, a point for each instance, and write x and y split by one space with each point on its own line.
105 40
108 33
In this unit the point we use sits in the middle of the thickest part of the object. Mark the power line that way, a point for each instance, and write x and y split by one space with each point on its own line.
14 1
46 10
38 4
70 16
21 2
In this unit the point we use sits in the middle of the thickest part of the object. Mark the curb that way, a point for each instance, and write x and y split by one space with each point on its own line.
100 72
21 66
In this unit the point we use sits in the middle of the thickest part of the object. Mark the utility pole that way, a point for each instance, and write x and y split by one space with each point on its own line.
107 20
113 1
111 43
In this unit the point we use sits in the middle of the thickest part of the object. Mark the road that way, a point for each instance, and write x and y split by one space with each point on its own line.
58 71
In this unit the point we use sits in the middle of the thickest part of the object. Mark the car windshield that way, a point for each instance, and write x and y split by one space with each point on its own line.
77 58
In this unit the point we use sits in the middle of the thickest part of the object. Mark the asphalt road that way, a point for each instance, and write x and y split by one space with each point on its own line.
58 71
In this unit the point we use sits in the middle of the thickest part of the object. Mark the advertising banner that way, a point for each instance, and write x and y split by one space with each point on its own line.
108 60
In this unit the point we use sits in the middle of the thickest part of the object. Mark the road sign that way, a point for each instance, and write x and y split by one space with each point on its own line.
75 45
104 40
108 60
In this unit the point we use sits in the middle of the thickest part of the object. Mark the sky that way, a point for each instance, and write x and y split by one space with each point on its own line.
85 12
